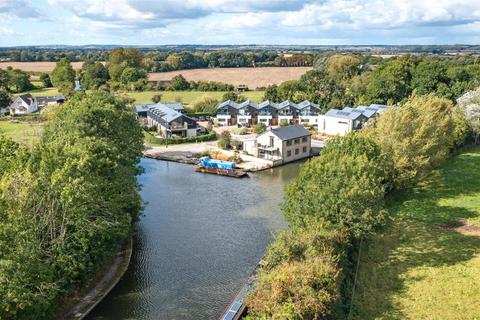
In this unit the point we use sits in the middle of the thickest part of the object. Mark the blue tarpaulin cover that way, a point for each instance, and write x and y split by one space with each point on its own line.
211 163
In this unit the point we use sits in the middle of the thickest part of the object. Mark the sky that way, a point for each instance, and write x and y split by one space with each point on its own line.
217 22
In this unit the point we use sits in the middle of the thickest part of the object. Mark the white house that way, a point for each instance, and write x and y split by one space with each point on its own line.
23 104
341 122
281 145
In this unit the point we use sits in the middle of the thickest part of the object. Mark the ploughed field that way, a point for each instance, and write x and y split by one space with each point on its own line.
251 77
37 66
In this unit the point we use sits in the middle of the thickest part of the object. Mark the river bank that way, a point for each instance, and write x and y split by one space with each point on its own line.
79 307
189 153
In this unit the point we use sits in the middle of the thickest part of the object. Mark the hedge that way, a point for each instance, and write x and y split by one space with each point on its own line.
151 139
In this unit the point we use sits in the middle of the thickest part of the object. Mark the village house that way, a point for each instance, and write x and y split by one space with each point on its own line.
169 122
281 145
341 122
23 104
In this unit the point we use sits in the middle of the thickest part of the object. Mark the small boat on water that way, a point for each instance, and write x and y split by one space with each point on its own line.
237 308
223 168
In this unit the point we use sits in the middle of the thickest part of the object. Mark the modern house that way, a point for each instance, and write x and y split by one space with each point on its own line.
281 145
23 104
341 122
170 122
142 109
268 112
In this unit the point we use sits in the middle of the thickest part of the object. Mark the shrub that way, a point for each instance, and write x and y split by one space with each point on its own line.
284 123
206 105
225 140
237 145
260 128
296 290
157 98
235 158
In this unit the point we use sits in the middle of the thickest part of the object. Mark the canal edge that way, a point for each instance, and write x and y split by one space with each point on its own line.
109 280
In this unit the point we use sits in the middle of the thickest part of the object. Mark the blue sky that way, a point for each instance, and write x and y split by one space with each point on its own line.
316 22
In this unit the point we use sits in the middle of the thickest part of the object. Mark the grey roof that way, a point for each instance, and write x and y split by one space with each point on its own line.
47 99
267 103
177 106
305 104
28 98
343 114
164 112
174 105
142 107
290 132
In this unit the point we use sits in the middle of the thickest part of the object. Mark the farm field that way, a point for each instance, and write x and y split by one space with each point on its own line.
252 77
426 263
37 66
27 133
188 97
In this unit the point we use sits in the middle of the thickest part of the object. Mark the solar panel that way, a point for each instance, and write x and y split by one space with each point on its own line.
236 306
230 315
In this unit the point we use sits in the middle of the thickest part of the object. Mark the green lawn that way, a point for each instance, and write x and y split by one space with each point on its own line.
23 132
188 97
426 263
41 92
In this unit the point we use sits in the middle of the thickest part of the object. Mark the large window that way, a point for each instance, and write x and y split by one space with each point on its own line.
304 139
289 153
297 151
289 142
304 149
297 141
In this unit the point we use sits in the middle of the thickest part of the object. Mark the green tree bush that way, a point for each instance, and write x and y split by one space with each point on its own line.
417 136
63 77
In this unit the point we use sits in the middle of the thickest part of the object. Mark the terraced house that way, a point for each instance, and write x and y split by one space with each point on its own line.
268 112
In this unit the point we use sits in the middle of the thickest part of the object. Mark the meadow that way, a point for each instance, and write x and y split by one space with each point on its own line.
426 263
25 132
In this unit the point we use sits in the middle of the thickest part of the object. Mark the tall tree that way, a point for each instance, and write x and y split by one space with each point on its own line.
122 58
93 75
63 76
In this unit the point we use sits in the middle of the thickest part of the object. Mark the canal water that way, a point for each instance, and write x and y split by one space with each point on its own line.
199 237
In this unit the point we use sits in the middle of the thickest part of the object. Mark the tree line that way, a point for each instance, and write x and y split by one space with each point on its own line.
347 80
338 201
66 204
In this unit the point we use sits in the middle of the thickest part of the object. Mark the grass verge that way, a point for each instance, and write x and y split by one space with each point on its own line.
25 132
426 263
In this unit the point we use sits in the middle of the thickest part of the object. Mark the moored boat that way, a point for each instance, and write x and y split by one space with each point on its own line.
224 168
